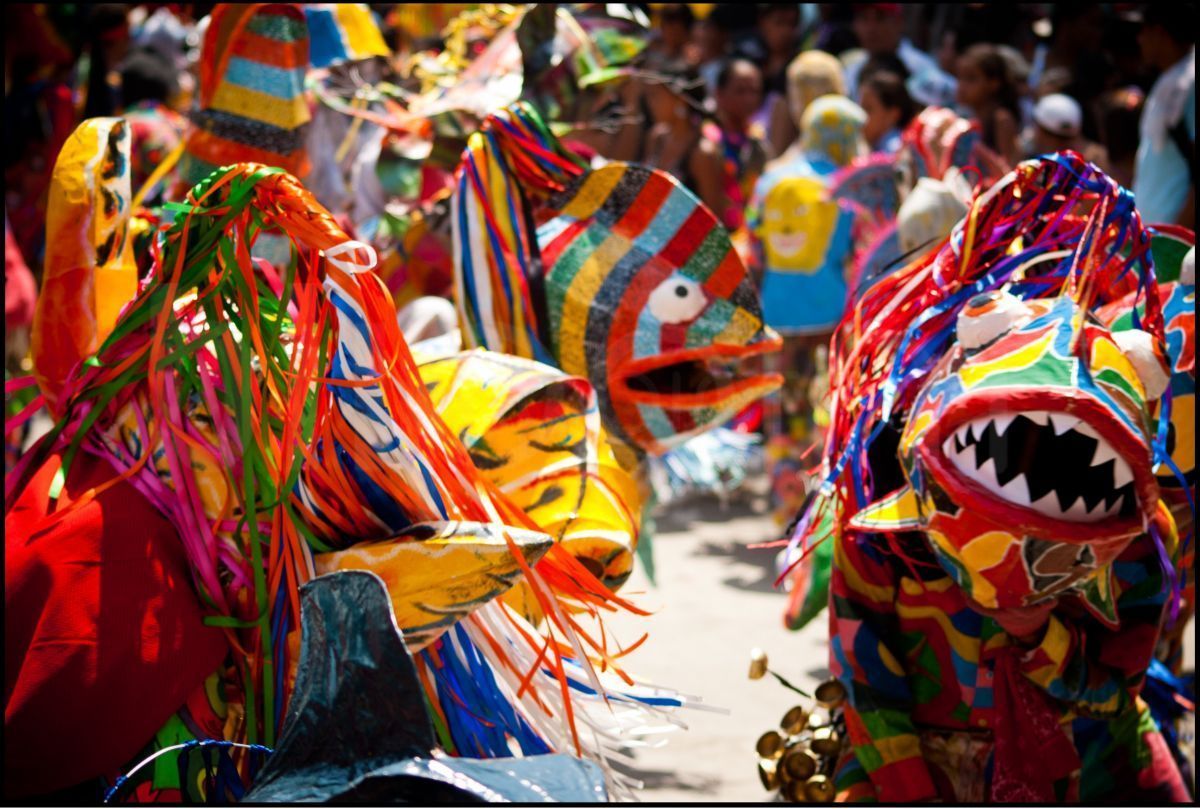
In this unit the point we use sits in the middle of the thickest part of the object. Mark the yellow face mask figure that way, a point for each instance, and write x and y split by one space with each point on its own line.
798 224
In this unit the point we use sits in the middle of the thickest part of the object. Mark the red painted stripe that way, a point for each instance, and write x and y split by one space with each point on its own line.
644 207
683 243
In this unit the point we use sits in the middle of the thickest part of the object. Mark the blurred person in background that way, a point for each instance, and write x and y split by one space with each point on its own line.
1120 116
673 38
1073 60
885 100
880 31
833 31
148 83
811 75
731 153
108 43
987 88
712 41
1058 126
776 43
803 244
674 110
1164 181
39 114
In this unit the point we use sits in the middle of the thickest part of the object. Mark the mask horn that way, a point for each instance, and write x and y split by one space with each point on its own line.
1146 356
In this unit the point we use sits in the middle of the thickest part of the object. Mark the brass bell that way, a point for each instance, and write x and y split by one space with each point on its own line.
758 664
819 789
769 745
768 773
799 765
826 742
794 792
831 694
794 720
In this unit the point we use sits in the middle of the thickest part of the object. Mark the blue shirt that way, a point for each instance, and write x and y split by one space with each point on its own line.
804 241
1162 176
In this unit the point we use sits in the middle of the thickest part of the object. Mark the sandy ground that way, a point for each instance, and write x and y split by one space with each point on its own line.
714 602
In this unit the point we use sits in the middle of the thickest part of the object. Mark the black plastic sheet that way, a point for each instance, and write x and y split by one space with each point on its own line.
357 729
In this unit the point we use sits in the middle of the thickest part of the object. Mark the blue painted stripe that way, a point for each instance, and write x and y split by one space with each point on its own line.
282 83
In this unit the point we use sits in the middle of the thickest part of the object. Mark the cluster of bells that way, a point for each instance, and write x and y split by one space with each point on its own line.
799 758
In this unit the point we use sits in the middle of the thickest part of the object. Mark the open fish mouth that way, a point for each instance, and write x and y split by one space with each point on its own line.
703 377
1055 464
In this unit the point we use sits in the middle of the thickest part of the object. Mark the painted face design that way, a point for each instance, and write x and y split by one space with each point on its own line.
536 434
1179 315
647 299
1027 455
798 224
89 271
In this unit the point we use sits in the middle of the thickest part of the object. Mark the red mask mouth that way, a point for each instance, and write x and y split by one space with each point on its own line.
1059 469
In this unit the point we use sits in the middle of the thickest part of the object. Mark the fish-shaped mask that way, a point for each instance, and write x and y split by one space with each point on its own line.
629 282
1027 453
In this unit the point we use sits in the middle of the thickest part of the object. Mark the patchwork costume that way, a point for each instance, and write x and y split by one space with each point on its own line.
1002 566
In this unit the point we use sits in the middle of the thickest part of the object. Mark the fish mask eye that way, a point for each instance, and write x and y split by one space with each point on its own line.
677 300
988 316
1187 270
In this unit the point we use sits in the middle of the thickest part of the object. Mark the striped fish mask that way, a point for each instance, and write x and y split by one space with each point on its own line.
1028 453
646 298
618 275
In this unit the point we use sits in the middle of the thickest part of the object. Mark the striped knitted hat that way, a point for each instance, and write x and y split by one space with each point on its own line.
252 105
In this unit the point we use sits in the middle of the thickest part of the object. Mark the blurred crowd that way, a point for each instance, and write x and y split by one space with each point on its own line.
755 108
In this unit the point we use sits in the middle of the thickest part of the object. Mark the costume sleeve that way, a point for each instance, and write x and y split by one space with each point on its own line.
1097 669
879 710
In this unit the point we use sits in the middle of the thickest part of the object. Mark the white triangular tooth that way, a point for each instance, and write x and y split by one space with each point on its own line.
1104 452
1047 504
1077 510
987 474
1002 422
1038 417
1087 429
1112 510
1063 422
1097 510
948 448
1017 490
1122 474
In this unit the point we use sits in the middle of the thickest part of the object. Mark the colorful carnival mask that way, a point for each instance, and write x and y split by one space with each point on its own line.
798 224
1027 453
252 106
89 271
1179 317
342 32
629 282
648 300
536 434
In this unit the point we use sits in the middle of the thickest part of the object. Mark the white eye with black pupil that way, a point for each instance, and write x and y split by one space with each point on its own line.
987 316
677 300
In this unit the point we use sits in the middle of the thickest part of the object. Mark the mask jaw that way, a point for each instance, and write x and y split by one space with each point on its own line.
898 511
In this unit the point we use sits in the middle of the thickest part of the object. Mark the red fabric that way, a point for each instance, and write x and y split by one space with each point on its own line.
20 290
104 637
1032 752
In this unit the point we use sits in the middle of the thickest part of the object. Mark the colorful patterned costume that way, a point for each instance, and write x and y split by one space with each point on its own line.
627 281
274 421
1002 566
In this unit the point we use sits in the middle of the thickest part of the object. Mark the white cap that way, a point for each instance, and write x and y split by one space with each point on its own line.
1058 114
